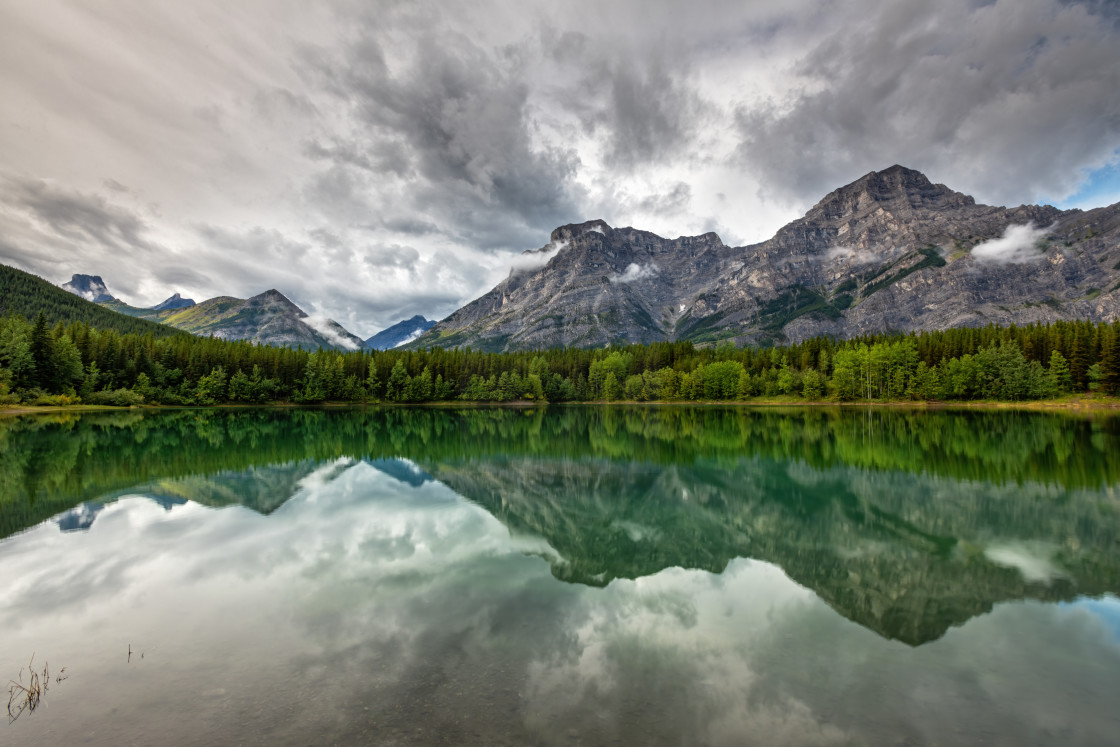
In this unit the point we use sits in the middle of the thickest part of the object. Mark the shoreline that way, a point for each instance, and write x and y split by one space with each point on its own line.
1078 403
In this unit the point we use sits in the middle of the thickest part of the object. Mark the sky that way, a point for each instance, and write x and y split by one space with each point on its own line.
379 159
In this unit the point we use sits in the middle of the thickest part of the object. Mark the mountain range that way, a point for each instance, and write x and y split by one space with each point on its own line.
889 252
269 318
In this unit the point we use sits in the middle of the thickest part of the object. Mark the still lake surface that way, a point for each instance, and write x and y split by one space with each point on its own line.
576 575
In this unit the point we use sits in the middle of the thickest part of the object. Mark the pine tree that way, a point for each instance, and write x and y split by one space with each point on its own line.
1079 360
1110 360
398 381
1058 373
42 354
372 383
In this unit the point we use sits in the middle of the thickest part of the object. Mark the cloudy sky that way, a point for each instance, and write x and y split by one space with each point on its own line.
374 160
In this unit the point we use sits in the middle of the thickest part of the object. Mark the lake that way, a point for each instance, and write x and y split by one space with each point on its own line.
570 575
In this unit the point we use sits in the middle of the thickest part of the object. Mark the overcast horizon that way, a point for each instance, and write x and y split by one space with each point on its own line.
376 160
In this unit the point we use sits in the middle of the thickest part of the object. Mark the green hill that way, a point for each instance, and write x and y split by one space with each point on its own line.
26 294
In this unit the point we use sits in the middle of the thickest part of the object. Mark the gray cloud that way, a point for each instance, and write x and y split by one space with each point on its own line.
642 100
80 218
316 148
1007 100
461 112
673 201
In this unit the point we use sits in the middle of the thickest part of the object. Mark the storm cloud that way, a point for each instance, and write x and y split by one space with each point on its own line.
379 160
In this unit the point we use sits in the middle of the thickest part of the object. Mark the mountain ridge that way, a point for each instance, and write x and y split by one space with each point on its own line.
399 334
269 318
891 251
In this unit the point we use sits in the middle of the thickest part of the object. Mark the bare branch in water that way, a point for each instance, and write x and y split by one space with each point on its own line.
27 697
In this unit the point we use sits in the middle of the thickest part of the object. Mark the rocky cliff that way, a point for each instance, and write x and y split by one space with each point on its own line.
889 252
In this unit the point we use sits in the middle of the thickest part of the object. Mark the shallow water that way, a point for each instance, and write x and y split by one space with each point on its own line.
579 575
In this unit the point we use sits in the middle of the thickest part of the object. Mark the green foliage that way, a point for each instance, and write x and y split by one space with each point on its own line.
1058 373
1013 363
28 296
211 388
812 385
116 398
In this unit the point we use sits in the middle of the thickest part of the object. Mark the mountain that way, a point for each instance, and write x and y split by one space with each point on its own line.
175 302
269 318
399 334
89 287
26 294
889 252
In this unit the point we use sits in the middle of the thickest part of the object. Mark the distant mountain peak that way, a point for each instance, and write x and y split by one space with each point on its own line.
175 302
399 334
89 287
275 297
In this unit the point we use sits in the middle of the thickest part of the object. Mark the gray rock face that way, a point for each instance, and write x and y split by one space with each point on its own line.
399 334
889 252
89 287
175 302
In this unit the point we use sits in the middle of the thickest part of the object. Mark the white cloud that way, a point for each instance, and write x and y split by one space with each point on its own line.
1018 244
414 335
329 329
531 261
635 272
856 256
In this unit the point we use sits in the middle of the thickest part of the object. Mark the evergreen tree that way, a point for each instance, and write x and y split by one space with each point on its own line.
1058 373
1110 361
41 348
372 383
398 381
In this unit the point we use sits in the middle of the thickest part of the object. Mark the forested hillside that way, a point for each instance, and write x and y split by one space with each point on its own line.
27 295
76 361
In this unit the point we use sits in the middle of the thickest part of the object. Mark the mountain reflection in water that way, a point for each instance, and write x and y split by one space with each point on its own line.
908 523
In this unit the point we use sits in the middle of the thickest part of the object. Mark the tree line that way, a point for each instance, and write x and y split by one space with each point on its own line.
70 362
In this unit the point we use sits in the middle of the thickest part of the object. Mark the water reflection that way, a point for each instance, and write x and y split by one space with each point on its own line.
347 592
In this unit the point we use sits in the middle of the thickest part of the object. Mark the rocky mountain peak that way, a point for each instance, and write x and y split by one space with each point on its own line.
273 296
897 190
174 302
89 287
567 232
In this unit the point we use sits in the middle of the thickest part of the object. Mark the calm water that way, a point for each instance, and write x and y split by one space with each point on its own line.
577 576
